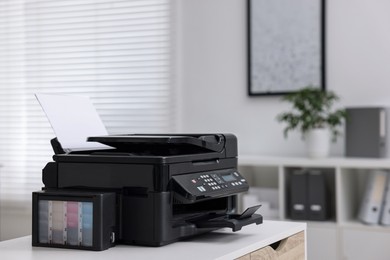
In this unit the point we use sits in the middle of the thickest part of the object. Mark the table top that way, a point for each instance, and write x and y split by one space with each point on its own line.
221 244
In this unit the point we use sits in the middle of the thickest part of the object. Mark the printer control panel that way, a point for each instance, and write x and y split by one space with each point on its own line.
211 184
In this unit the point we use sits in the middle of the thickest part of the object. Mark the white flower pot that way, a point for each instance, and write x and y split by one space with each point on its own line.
318 143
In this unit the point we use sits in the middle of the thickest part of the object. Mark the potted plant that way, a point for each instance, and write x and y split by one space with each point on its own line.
313 115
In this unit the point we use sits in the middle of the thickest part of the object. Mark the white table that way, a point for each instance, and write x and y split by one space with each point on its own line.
221 244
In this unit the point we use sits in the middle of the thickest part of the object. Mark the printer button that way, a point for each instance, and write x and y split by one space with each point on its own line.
201 189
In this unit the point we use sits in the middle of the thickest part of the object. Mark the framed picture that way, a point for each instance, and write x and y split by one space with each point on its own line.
286 46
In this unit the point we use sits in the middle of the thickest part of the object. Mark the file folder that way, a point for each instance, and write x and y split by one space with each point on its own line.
318 208
298 195
370 209
385 217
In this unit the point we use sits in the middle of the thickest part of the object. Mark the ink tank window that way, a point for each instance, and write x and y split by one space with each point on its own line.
72 219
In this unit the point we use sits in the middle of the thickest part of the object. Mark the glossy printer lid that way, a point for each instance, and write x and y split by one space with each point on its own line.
161 148
212 142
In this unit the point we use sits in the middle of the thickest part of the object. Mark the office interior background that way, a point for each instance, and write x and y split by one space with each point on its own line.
161 66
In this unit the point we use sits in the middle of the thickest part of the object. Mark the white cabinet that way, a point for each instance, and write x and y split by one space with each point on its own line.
365 243
342 236
322 242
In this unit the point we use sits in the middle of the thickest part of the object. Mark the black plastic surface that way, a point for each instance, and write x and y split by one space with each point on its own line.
190 188
248 212
156 149
233 221
213 142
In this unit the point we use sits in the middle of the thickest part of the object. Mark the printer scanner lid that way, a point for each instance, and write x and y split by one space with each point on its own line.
212 142
156 147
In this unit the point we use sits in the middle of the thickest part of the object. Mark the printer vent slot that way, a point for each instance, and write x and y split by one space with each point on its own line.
205 162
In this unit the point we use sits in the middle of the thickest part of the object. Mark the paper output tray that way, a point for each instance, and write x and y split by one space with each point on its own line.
233 221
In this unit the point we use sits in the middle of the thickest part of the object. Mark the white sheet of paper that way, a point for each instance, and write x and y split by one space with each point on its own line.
73 119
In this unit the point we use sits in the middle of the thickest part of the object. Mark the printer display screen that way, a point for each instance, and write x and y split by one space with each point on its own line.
228 177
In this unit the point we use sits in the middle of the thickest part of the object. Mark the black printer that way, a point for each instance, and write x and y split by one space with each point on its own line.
147 190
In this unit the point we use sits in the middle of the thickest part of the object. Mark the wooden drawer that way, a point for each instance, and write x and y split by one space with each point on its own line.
291 248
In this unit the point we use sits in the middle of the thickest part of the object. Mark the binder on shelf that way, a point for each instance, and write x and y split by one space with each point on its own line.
318 208
366 132
372 204
298 195
385 215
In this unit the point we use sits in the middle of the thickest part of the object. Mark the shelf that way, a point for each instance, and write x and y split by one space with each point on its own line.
360 226
353 224
316 224
346 179
355 163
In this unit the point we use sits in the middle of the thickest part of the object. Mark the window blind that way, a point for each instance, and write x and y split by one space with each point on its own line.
118 53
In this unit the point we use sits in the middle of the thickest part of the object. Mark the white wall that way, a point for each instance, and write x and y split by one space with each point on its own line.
212 46
15 220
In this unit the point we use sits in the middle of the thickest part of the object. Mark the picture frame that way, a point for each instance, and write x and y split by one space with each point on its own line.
286 46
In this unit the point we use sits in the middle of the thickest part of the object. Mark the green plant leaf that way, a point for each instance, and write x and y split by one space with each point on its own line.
312 108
